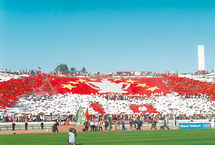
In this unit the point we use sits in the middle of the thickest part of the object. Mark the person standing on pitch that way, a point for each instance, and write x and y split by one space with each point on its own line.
123 125
135 124
106 124
96 125
153 125
138 125
13 125
118 123
141 124
41 124
165 124
26 125
55 126
110 125
92 126
130 125
72 135
115 123
100 125
86 126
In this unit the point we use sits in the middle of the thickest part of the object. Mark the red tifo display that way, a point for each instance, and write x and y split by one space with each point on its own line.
97 108
143 109
140 86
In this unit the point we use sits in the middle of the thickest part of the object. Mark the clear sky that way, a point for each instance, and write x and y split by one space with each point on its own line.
107 35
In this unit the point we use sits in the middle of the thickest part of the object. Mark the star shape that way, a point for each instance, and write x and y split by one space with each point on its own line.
81 80
92 79
142 85
69 86
73 82
116 79
153 88
130 81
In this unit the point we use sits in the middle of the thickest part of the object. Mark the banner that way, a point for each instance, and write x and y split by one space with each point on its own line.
80 117
195 125
139 86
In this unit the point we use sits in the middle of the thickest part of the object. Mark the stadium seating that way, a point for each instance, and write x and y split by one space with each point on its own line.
34 94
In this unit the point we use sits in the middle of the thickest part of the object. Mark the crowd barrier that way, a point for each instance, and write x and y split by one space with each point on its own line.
21 125
183 124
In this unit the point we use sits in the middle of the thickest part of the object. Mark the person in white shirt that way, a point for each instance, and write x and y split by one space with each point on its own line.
92 126
72 135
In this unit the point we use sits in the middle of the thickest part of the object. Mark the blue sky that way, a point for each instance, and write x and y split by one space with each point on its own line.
107 35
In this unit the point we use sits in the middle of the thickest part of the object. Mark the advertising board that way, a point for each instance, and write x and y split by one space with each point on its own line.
195 125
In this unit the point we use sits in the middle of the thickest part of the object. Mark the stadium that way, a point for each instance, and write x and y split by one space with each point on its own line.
119 99
107 72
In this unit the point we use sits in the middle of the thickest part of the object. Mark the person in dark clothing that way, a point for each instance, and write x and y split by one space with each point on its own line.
130 124
26 125
141 124
135 124
123 125
55 126
86 126
106 125
41 125
138 125
110 125
13 125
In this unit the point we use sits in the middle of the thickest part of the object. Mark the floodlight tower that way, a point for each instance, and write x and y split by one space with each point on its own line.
201 57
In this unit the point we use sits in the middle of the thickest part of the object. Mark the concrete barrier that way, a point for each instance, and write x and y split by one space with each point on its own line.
21 125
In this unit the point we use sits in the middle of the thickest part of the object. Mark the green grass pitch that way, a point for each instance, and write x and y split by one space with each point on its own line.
147 137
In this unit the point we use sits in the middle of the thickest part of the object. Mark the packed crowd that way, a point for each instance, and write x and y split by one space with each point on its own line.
190 87
26 97
14 87
65 106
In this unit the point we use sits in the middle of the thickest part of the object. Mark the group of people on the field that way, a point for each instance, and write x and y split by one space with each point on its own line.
134 125
162 127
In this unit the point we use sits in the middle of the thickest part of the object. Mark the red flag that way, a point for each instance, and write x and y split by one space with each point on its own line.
39 67
143 109
142 86
87 114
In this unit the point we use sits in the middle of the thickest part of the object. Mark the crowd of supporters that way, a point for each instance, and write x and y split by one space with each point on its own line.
64 107
28 96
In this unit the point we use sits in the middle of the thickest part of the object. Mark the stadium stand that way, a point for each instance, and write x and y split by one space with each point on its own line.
27 97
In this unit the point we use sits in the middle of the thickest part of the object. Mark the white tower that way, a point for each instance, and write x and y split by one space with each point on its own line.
201 57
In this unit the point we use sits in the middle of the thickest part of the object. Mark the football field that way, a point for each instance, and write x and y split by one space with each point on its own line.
147 137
